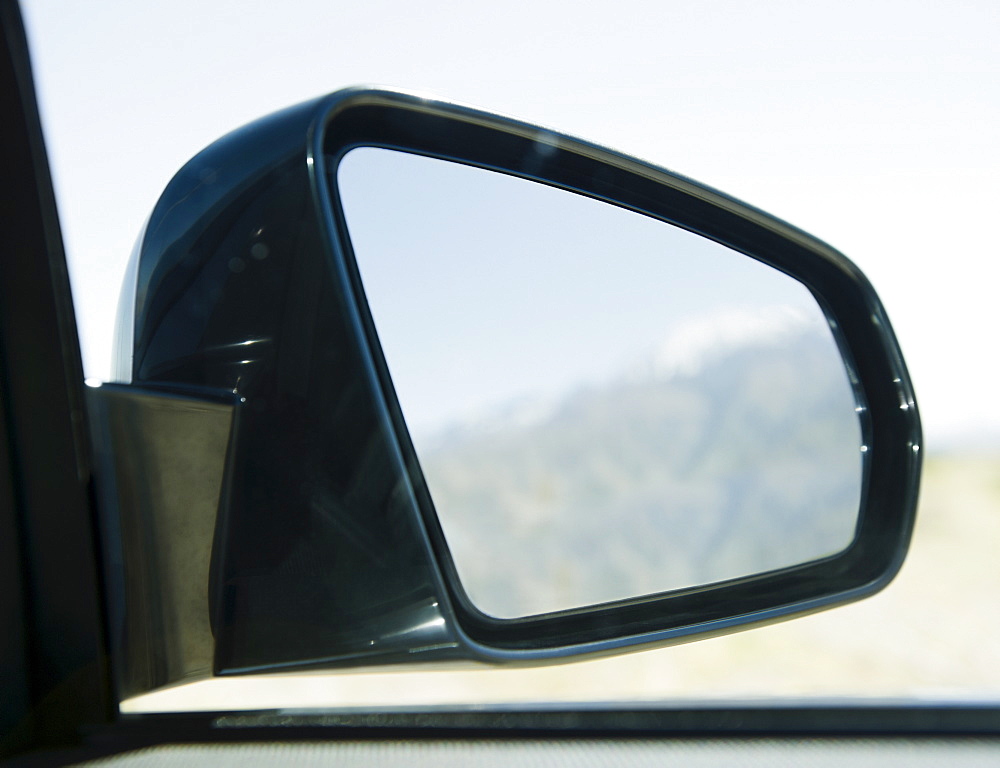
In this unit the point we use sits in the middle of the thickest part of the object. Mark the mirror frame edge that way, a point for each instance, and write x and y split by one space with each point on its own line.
864 348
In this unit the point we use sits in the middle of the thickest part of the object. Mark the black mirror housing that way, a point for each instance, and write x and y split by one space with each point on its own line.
327 551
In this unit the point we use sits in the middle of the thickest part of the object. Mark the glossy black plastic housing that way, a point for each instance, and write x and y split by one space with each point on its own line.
329 551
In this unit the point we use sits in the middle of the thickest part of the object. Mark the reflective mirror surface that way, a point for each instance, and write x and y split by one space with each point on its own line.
603 405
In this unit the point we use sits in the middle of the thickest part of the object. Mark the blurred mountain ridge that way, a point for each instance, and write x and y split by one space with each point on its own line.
662 477
683 352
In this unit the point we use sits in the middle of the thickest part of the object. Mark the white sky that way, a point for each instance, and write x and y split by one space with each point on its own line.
873 125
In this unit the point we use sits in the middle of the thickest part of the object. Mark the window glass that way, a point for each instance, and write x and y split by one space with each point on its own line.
871 125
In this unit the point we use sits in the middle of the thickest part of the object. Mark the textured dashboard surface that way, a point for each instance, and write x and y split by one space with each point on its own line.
575 753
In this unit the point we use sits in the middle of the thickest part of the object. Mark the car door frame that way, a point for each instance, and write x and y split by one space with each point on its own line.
54 653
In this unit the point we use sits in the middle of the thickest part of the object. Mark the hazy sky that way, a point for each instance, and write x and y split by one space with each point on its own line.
489 291
873 125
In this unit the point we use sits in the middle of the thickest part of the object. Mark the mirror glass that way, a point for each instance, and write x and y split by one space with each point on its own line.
603 405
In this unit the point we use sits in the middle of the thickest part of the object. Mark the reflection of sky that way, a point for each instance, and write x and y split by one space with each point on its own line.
486 288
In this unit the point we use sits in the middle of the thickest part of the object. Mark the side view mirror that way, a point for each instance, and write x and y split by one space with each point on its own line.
402 381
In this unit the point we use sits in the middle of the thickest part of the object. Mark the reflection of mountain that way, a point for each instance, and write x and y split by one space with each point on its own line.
747 463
